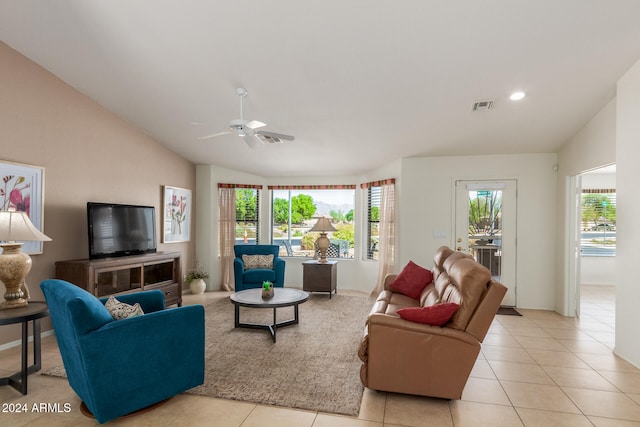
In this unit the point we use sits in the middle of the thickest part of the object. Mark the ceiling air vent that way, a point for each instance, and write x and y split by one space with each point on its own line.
482 105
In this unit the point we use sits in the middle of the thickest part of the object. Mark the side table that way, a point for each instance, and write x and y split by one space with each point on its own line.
320 276
35 311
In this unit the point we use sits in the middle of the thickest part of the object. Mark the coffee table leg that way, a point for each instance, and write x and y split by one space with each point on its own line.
275 325
237 315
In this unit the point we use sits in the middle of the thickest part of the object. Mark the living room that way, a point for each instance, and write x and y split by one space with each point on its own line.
91 154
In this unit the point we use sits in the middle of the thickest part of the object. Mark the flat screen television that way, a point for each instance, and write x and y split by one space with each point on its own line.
117 230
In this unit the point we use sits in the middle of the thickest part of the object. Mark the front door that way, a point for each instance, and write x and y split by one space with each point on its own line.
486 228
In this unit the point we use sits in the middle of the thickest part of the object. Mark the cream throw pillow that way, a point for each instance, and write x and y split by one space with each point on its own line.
120 310
257 261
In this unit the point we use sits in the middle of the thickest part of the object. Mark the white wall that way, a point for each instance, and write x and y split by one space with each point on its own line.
428 205
592 147
628 175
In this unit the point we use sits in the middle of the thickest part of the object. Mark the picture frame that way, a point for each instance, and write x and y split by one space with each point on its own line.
176 214
22 189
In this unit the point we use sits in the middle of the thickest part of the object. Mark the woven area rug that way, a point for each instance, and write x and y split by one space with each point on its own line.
313 365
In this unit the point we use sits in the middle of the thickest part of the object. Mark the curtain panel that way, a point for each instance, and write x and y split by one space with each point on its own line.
387 232
227 206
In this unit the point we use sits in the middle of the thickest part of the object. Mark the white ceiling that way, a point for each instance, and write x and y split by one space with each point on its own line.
360 83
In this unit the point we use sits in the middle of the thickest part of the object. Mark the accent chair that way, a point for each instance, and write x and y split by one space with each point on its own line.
121 366
254 264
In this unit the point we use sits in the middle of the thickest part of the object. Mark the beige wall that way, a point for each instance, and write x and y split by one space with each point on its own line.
88 154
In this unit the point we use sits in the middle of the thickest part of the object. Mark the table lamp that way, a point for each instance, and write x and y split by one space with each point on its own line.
323 225
15 264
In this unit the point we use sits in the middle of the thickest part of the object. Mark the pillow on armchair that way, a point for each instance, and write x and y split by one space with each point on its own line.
257 261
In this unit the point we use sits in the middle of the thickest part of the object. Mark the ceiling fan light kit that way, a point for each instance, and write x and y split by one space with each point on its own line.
247 129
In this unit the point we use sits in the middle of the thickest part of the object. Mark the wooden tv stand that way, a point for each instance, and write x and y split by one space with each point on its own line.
112 276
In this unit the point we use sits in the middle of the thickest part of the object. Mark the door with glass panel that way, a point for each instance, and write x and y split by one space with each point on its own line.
486 228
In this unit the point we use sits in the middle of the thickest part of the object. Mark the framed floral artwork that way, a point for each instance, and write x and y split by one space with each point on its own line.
176 206
22 189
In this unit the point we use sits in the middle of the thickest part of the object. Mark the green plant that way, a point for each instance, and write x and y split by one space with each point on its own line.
196 272
267 285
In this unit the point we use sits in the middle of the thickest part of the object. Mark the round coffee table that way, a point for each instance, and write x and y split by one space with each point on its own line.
282 297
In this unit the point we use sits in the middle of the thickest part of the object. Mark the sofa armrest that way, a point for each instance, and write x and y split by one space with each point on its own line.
388 280
150 301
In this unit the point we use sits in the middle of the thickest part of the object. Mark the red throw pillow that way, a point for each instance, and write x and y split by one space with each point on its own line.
412 280
435 315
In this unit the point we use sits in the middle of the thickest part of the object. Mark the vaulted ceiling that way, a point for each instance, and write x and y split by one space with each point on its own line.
359 83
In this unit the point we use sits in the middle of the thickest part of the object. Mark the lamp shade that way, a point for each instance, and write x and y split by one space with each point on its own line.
323 225
16 226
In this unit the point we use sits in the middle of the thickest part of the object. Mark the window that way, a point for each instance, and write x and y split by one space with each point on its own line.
247 216
295 210
373 221
598 227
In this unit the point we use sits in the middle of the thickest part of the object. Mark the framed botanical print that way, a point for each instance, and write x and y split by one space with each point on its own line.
176 206
22 189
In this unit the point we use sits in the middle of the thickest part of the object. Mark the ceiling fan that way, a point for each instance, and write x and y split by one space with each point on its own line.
247 129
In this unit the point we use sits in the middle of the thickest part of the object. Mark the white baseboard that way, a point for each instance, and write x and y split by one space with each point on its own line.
17 343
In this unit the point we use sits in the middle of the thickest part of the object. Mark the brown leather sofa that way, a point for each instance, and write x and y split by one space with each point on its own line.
407 357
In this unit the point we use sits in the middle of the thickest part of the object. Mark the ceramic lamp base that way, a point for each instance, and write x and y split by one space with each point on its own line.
14 267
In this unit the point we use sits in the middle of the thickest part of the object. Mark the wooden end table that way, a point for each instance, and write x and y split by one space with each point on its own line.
35 311
320 276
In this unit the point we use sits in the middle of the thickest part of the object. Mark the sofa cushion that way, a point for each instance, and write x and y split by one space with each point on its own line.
120 310
412 280
435 315
257 261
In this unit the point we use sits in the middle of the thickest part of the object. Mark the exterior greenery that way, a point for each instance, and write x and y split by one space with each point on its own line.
485 213
598 209
302 208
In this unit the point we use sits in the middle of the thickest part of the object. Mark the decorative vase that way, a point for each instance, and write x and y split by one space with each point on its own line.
267 291
197 286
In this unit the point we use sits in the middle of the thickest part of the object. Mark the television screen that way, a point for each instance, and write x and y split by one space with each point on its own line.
120 230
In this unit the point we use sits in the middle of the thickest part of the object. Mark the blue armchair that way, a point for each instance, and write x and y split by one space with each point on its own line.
120 366
248 278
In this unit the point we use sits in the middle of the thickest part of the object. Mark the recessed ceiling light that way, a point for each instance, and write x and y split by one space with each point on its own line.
517 96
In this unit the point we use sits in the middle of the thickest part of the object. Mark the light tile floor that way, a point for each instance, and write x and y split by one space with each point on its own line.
540 369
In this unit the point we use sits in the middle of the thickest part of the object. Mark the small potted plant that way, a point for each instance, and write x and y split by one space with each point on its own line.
195 277
267 289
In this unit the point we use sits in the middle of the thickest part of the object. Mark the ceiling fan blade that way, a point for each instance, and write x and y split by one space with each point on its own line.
274 137
252 140
213 135
255 124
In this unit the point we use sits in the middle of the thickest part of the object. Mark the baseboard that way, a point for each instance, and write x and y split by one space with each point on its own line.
18 342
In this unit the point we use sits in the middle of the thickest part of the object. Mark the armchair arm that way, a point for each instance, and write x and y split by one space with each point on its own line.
238 271
150 301
278 266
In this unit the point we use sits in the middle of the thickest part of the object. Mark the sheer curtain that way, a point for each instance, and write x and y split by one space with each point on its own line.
227 205
387 234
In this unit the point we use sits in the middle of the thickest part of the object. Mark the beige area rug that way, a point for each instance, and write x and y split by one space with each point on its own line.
313 365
